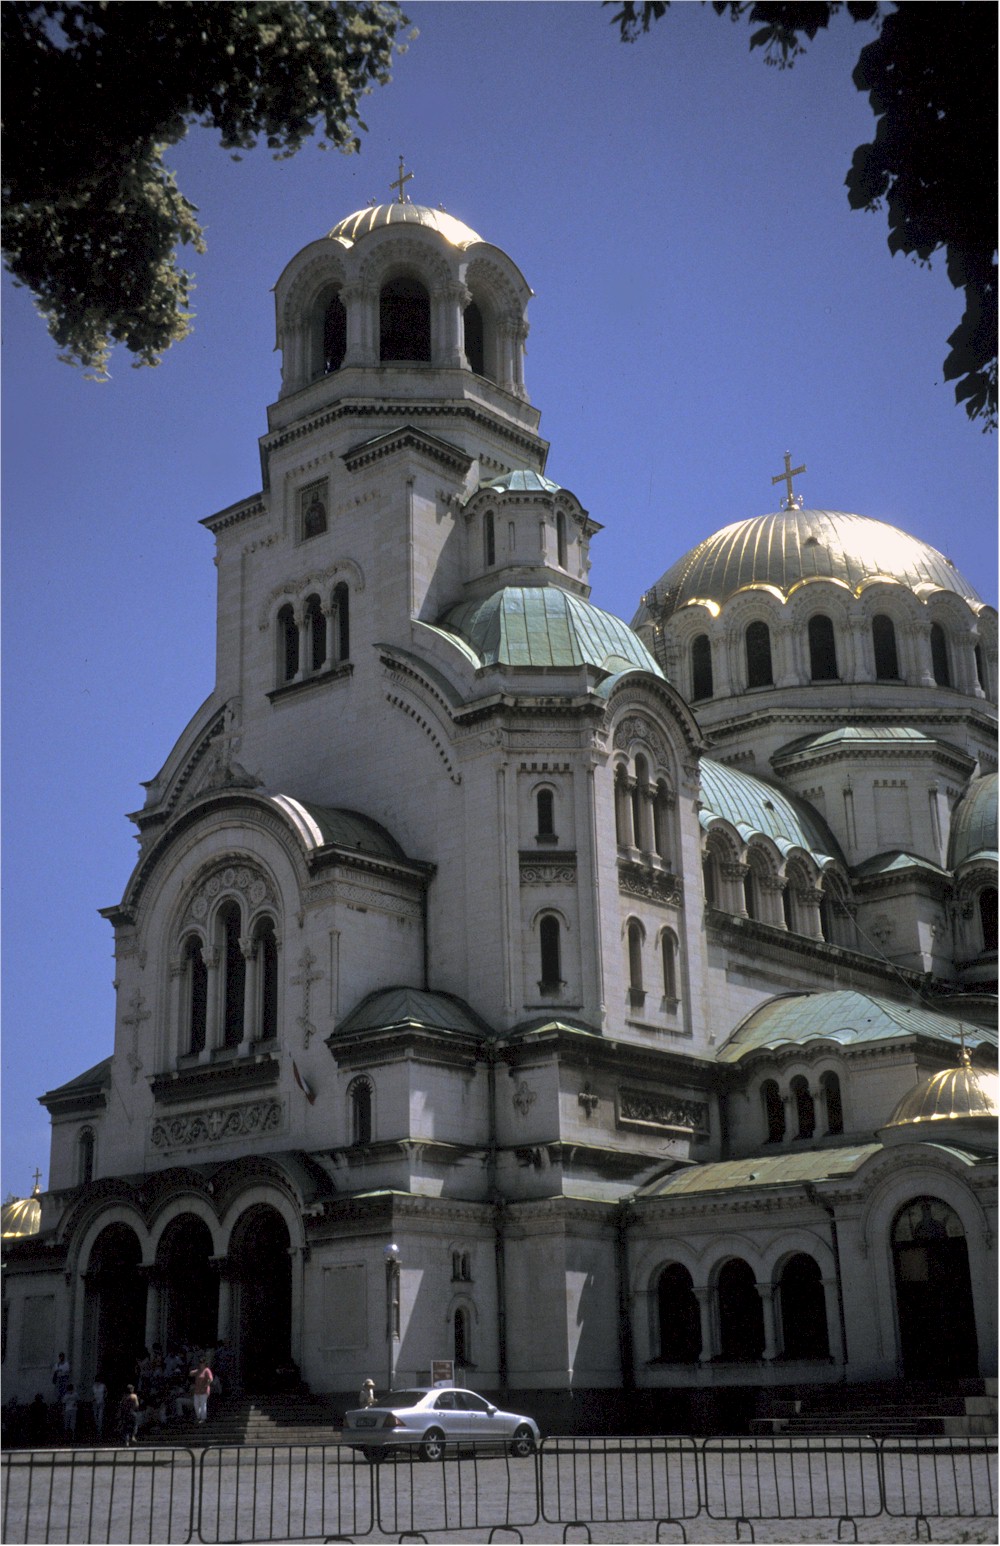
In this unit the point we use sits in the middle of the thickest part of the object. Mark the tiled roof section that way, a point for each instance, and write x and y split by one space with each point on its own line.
896 862
753 806
377 215
96 1078
848 1018
974 824
789 546
321 825
394 1008
772 1170
521 480
544 625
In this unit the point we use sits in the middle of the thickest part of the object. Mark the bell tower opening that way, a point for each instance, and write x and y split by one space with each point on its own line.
404 321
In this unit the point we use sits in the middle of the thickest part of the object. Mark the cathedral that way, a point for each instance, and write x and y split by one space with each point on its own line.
605 1009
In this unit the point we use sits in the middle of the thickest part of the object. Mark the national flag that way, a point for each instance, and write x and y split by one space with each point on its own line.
303 1084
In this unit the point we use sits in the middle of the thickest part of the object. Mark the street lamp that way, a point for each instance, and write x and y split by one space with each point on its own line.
391 1308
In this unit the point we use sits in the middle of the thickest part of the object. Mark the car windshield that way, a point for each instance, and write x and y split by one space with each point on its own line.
404 1398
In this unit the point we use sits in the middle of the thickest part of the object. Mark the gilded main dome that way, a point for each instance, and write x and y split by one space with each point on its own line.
952 1094
376 215
787 548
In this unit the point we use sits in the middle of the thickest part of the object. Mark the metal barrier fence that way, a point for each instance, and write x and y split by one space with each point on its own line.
327 1492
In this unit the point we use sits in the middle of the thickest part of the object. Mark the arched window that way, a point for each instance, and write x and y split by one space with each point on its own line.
316 627
404 321
822 649
545 810
288 644
833 1105
361 1111
884 643
668 955
475 350
489 540
640 796
195 994
939 656
804 1332
774 1111
981 669
679 1320
234 975
741 1313
751 892
701 667
85 1152
462 1340
805 1107
661 823
988 916
636 995
561 538
549 949
621 808
710 877
334 335
758 647
342 627
786 907
266 953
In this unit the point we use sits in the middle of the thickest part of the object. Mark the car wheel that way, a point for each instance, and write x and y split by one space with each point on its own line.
432 1445
523 1442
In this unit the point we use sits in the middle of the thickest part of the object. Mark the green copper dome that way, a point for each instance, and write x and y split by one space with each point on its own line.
974 824
543 625
521 480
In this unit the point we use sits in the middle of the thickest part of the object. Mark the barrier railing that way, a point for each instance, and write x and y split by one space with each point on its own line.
953 1478
619 1480
99 1495
327 1492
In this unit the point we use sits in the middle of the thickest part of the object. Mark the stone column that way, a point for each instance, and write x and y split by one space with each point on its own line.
623 809
520 340
734 874
835 1331
810 901
922 654
784 664
362 332
644 836
250 953
299 1255
708 1347
305 643
863 648
330 620
211 957
766 1292
223 1323
154 1304
450 349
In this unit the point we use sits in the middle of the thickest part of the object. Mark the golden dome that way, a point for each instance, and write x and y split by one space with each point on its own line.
792 546
364 220
953 1094
20 1217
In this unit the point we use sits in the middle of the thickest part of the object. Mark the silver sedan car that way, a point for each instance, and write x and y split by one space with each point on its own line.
434 1421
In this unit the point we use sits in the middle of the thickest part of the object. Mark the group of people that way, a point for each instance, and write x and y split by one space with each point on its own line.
166 1387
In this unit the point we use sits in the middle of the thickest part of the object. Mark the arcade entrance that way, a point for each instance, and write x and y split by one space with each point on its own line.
261 1270
115 1307
937 1324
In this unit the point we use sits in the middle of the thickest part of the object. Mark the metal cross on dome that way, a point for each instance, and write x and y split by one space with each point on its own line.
793 500
401 181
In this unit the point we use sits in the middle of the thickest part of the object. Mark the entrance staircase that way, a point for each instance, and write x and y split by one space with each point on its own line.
896 1409
255 1420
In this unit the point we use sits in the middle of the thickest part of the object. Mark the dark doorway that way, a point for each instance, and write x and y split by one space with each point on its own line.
741 1314
804 1330
116 1299
679 1317
190 1284
937 1324
261 1268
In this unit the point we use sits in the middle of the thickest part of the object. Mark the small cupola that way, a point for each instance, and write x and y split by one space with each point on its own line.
523 529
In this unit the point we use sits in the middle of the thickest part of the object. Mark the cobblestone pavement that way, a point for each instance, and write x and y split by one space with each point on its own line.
603 1490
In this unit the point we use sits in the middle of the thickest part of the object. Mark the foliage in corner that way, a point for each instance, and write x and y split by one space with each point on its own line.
95 93
930 75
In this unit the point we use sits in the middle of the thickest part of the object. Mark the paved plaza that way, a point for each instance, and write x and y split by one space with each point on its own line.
622 1491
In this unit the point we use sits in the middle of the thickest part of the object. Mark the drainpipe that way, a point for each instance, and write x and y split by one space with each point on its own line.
828 1208
499 1218
625 1346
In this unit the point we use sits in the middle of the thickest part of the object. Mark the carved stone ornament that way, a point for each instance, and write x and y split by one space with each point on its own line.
239 878
669 1113
638 880
535 874
217 1125
524 1098
635 727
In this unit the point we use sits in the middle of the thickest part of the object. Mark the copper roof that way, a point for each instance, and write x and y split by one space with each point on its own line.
974 824
543 625
847 1017
792 546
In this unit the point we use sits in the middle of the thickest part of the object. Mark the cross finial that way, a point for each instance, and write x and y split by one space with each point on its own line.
401 181
793 501
38 1177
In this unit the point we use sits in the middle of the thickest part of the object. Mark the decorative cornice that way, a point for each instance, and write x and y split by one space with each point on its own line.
233 515
408 438
525 440
651 1110
216 1124
641 880
212 1080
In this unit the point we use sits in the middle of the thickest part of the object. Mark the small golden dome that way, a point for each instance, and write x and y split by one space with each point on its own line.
20 1217
955 1093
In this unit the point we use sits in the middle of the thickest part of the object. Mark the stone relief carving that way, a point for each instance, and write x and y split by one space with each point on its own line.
230 877
534 874
636 727
304 980
219 1123
666 1111
524 1098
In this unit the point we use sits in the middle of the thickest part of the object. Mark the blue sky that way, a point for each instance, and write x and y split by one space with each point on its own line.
704 300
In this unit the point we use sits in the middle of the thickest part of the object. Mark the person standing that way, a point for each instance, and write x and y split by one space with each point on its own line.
61 1376
128 1412
69 1412
99 1395
203 1378
366 1396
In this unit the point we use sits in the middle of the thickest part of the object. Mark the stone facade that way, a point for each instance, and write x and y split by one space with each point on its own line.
461 909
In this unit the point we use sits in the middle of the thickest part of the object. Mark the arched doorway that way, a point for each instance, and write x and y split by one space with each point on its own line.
741 1314
804 1332
116 1306
189 1283
678 1315
937 1324
260 1266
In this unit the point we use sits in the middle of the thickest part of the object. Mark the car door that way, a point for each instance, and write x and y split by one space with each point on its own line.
450 1416
481 1426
